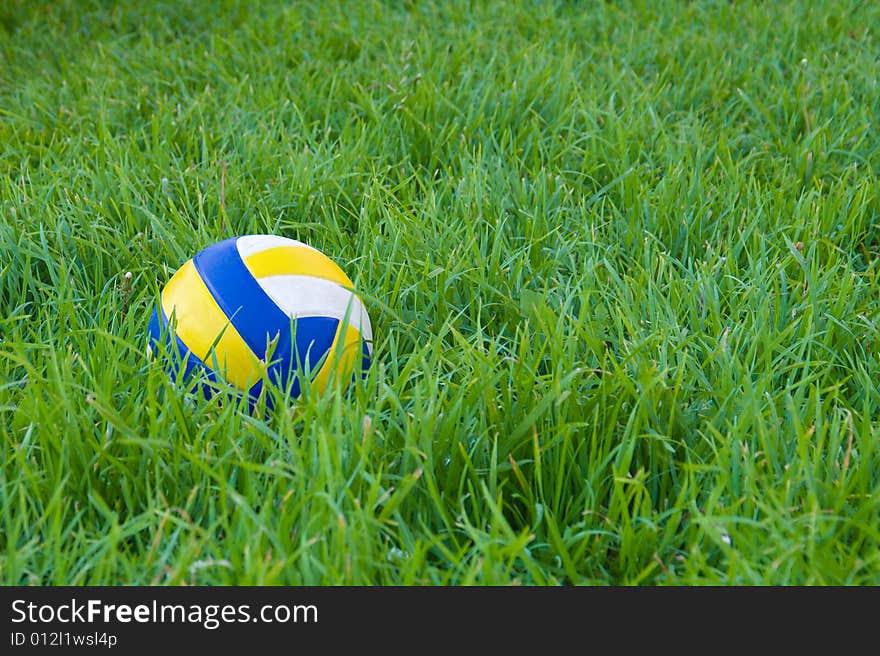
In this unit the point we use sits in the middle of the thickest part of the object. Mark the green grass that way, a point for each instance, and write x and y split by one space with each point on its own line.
621 261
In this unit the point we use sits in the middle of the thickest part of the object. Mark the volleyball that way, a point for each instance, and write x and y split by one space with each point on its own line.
259 308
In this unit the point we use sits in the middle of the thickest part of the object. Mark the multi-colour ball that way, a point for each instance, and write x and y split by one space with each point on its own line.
260 308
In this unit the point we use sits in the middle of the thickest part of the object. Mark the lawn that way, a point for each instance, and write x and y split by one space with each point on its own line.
621 262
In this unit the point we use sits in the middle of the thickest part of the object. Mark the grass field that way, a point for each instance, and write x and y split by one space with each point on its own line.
621 261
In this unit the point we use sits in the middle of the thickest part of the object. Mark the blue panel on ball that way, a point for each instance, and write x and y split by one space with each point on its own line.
366 361
257 318
313 337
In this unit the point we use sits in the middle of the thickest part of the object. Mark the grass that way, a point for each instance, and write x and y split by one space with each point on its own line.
621 261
